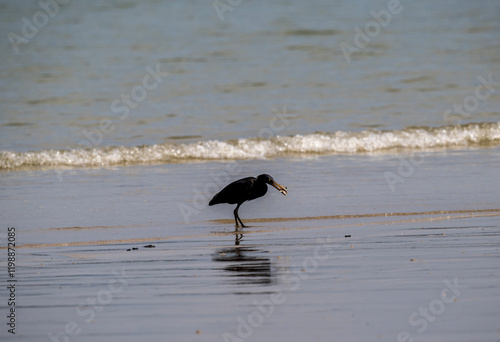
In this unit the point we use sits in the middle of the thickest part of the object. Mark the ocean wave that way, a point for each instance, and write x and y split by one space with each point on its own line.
416 138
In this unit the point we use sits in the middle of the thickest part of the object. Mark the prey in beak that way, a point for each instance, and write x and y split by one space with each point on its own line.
279 187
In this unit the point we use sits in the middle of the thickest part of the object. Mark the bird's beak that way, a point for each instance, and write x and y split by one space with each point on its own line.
280 188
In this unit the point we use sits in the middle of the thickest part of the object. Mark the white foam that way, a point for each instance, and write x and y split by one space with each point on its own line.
483 134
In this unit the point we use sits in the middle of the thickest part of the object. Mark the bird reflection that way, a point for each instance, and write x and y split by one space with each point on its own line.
243 265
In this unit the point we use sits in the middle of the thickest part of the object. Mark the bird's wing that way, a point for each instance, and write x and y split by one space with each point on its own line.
236 192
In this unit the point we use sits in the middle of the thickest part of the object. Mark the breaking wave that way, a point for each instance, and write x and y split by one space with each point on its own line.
414 138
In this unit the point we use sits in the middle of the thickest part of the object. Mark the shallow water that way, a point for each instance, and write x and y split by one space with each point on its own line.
173 198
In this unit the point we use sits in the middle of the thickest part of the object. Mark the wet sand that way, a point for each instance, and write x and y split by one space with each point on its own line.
350 278
362 264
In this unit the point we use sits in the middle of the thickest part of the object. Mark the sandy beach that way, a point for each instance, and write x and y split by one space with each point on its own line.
409 276
409 265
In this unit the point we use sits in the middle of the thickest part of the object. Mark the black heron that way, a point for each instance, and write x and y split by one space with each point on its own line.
245 189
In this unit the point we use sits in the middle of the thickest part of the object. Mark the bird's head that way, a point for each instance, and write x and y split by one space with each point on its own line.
269 180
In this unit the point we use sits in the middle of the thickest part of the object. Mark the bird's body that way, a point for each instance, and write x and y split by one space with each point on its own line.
245 189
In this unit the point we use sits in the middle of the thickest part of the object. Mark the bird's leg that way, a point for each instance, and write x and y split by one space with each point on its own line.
238 239
237 217
242 225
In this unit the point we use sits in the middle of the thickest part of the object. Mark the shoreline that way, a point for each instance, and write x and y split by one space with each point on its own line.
475 213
